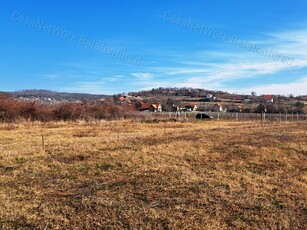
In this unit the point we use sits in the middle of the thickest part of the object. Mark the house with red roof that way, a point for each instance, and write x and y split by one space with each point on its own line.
145 107
155 107
268 99
125 101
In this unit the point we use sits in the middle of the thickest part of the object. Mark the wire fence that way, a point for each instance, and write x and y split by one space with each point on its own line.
262 117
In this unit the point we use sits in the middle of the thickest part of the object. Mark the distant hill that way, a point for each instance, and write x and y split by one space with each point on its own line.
57 96
191 93
197 93
171 92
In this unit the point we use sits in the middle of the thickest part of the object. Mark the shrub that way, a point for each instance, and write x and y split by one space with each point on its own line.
12 110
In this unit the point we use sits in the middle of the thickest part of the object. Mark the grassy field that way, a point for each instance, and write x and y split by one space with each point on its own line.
190 175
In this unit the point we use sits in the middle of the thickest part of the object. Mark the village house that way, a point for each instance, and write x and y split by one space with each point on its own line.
217 108
175 108
239 108
155 108
125 101
145 107
190 107
210 97
268 99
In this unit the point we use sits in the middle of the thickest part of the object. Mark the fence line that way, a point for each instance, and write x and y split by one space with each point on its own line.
264 117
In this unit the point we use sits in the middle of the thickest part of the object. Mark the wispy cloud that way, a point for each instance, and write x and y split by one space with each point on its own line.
297 87
217 68
50 76
143 76
224 68
114 78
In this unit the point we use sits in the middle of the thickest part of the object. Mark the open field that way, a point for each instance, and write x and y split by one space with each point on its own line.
177 175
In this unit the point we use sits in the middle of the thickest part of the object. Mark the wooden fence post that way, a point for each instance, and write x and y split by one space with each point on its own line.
43 142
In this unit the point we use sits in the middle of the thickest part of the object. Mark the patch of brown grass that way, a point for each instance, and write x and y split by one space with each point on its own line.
212 175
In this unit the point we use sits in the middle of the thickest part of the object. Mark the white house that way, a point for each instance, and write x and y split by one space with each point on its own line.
217 108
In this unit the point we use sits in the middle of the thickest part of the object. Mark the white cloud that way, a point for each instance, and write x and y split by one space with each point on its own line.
97 87
298 87
213 69
143 76
115 78
208 69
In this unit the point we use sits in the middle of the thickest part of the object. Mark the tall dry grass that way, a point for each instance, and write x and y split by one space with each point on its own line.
124 174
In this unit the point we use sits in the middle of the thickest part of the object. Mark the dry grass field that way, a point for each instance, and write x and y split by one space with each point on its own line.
173 175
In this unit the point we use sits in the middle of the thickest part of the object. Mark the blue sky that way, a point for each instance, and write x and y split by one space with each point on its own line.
115 46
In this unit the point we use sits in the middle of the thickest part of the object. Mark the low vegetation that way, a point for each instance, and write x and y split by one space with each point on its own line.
171 175
12 110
